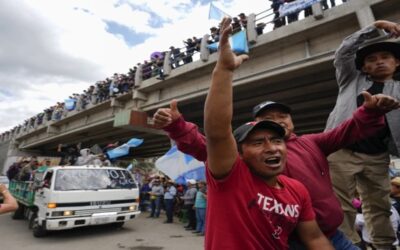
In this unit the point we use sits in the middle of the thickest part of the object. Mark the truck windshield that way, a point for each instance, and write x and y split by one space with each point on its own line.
93 179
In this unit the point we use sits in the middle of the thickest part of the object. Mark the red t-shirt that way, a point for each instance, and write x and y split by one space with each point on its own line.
243 212
306 158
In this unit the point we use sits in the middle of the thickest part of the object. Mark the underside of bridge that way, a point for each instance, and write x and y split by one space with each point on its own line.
311 97
311 93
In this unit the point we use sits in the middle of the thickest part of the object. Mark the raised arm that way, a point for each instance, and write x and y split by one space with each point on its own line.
185 134
221 145
366 121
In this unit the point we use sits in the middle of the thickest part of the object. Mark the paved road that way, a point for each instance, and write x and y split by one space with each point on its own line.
139 234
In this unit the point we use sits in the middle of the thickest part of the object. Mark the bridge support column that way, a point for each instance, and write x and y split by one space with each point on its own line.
365 16
139 75
53 130
251 29
167 63
138 98
116 103
204 52
317 11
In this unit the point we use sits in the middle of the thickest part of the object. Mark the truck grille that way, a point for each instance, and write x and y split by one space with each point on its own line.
89 212
89 203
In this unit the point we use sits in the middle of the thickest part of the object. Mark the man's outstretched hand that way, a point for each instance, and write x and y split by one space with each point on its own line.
165 116
391 27
380 102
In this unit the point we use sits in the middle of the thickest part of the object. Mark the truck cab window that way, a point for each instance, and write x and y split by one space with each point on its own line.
93 179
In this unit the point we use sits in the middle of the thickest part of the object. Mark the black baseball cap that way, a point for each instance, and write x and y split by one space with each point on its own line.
241 132
391 47
270 104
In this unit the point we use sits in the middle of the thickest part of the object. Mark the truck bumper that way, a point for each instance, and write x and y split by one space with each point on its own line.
95 219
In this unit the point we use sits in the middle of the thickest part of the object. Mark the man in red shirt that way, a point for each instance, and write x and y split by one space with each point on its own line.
249 205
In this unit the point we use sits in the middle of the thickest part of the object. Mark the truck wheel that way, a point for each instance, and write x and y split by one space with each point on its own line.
19 213
38 230
32 219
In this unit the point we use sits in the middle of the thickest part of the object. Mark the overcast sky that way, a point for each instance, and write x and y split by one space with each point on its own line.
50 49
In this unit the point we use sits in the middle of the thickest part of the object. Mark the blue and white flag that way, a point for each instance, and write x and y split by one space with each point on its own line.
134 142
238 43
180 167
216 13
296 6
124 149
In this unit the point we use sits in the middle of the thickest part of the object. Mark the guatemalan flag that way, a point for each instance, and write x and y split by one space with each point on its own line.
180 167
216 13
124 149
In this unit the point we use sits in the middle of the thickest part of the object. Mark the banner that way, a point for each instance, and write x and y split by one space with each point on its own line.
238 43
124 149
180 167
70 104
296 6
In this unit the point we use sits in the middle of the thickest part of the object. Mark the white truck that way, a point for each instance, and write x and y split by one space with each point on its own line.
65 197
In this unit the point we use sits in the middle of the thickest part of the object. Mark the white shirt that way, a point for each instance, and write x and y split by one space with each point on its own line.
394 218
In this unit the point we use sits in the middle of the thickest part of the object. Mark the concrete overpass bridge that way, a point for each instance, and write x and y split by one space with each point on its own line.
292 64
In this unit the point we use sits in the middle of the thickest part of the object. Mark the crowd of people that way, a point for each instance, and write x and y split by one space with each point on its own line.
282 21
186 202
25 168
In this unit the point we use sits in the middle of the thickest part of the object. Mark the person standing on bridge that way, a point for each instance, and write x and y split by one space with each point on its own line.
9 203
306 154
364 165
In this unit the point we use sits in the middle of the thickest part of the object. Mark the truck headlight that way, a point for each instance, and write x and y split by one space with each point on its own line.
68 213
132 208
62 213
